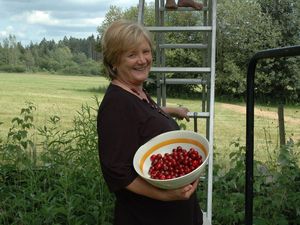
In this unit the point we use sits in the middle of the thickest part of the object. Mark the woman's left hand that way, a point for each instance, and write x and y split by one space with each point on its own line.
182 113
178 112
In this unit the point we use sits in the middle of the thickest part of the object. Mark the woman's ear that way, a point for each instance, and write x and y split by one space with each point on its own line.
113 68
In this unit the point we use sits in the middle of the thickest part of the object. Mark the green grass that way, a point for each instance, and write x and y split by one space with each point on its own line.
51 94
63 96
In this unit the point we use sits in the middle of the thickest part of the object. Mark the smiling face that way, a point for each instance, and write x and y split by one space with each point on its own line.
134 65
127 51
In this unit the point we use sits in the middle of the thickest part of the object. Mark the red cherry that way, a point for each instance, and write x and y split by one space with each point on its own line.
174 164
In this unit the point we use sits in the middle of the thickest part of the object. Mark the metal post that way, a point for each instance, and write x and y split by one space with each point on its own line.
271 53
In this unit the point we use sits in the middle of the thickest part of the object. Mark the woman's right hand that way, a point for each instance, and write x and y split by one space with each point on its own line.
140 186
183 193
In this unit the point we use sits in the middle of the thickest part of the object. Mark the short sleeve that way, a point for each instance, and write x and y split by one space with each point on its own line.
118 142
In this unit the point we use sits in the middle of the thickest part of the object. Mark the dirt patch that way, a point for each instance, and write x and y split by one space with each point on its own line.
259 112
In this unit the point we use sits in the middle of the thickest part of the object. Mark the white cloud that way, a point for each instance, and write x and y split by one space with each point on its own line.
10 30
85 1
7 31
85 22
33 20
47 19
40 17
36 17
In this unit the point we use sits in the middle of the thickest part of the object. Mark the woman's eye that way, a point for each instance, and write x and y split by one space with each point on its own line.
131 55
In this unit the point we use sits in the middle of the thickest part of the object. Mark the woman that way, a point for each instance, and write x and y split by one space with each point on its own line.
127 118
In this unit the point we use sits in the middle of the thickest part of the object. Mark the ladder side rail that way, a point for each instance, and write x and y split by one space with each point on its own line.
205 42
204 96
206 35
208 103
141 11
212 100
205 61
158 16
163 56
208 62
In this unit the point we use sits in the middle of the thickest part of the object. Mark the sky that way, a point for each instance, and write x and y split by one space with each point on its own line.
33 20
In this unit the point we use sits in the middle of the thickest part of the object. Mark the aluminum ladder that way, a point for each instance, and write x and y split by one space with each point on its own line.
206 71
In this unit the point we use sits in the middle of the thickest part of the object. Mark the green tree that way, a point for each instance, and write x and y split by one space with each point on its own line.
280 78
242 30
114 13
2 57
29 60
11 55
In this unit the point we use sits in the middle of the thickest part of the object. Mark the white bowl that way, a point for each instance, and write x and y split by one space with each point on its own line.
164 143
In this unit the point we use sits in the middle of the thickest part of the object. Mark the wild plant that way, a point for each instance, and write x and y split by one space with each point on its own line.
276 188
63 183
59 180
20 150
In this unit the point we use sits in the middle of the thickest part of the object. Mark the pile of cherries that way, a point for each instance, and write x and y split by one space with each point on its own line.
175 164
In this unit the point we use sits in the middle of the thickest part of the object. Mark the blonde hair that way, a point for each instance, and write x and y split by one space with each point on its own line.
119 37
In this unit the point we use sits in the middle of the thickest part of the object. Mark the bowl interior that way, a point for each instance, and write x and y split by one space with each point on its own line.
164 144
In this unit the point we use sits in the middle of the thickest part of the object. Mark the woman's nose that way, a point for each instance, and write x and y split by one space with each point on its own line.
142 58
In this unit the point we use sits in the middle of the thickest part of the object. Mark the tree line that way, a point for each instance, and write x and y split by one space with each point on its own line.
67 56
243 28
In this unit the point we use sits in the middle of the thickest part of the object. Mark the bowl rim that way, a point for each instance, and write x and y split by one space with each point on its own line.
156 146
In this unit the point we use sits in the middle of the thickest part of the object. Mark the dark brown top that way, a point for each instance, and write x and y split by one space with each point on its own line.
124 123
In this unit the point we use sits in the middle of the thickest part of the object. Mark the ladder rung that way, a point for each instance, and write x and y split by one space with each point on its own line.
183 9
184 81
198 114
179 28
196 46
180 69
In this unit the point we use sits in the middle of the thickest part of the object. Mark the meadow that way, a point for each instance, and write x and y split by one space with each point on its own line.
64 95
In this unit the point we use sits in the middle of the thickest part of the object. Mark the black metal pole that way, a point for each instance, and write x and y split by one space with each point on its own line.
271 53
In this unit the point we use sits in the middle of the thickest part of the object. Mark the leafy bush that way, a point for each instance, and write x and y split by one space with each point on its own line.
276 188
62 184
13 68
58 181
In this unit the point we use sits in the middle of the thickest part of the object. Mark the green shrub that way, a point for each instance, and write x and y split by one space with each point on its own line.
58 181
276 188
13 68
63 184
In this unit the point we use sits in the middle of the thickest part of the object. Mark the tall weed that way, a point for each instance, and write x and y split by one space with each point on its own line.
58 181
276 188
62 184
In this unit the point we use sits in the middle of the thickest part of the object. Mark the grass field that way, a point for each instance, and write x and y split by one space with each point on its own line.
64 95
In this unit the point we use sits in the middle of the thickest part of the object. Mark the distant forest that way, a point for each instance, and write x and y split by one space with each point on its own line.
67 56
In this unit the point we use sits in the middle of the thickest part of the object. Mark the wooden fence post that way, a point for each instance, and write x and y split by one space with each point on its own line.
281 124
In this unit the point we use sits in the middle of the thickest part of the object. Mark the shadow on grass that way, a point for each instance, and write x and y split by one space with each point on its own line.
100 89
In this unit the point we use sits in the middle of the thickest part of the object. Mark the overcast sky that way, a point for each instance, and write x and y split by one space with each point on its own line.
32 20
